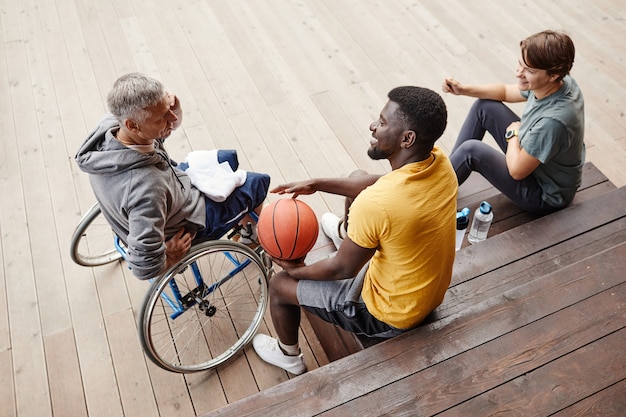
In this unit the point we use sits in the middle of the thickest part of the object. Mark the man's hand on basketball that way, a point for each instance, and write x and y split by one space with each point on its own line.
295 188
295 263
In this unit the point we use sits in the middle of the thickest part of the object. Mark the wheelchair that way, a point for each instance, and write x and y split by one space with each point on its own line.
202 311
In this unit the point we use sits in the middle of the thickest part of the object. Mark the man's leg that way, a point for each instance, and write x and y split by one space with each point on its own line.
222 217
285 308
284 351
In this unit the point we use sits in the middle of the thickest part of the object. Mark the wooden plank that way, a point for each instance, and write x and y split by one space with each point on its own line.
351 376
95 37
355 143
8 406
206 391
89 94
243 32
170 391
101 393
535 236
173 392
237 379
65 189
8 166
5 334
526 270
313 141
487 367
47 265
608 402
129 363
510 216
66 385
11 214
31 391
550 388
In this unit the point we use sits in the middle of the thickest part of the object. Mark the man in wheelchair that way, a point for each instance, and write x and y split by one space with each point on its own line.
150 203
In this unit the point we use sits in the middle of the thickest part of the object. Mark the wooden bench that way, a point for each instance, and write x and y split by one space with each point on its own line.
534 323
338 343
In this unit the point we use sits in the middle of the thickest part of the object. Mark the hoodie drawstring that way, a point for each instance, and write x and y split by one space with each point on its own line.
169 164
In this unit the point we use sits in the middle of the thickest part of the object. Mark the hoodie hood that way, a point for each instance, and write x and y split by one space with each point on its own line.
102 154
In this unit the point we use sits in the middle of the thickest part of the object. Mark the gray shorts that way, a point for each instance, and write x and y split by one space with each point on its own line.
340 303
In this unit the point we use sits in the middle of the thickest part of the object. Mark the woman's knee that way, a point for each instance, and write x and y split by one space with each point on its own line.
483 104
470 148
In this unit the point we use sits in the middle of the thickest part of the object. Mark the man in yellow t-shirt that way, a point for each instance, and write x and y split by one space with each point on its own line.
411 268
394 261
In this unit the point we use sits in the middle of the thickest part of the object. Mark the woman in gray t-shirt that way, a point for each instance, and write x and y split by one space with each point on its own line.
541 167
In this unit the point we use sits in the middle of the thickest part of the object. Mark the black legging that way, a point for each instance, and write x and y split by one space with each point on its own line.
471 154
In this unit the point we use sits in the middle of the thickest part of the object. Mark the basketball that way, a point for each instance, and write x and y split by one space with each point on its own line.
287 229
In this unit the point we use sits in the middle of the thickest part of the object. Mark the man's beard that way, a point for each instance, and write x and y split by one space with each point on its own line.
377 154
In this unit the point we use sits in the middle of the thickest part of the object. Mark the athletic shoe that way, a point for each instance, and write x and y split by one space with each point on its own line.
331 225
267 348
246 235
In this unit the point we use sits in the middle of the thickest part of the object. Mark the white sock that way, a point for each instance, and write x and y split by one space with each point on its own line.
291 350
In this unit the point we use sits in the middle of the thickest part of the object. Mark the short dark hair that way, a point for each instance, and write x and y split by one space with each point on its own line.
423 111
549 50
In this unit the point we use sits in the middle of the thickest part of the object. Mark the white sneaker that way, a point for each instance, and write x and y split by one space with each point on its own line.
267 348
330 225
247 235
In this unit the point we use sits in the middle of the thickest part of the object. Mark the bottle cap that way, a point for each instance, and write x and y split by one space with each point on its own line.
462 222
464 212
485 207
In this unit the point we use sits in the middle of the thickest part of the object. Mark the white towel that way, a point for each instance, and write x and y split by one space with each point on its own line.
217 181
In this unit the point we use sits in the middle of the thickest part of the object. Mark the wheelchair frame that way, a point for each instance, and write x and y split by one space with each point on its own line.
203 310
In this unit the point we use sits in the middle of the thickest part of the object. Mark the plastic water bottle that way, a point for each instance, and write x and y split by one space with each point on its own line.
462 220
480 225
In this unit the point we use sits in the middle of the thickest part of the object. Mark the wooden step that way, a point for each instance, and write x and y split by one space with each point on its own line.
531 313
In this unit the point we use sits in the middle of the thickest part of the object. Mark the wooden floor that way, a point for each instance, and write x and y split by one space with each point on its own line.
292 85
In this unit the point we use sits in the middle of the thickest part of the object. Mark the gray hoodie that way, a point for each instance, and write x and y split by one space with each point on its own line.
144 197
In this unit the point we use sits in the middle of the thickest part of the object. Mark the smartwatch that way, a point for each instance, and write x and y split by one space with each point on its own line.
509 134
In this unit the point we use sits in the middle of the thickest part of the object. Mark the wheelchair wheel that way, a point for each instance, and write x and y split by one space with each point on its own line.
205 309
92 241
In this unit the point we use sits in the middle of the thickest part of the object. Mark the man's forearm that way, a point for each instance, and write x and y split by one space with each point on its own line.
346 186
325 270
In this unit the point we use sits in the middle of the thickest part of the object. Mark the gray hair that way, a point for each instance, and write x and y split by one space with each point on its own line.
132 94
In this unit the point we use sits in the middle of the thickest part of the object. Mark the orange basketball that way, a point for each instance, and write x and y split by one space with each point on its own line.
287 229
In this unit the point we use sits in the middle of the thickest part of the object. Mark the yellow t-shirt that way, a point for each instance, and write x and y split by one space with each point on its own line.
409 215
